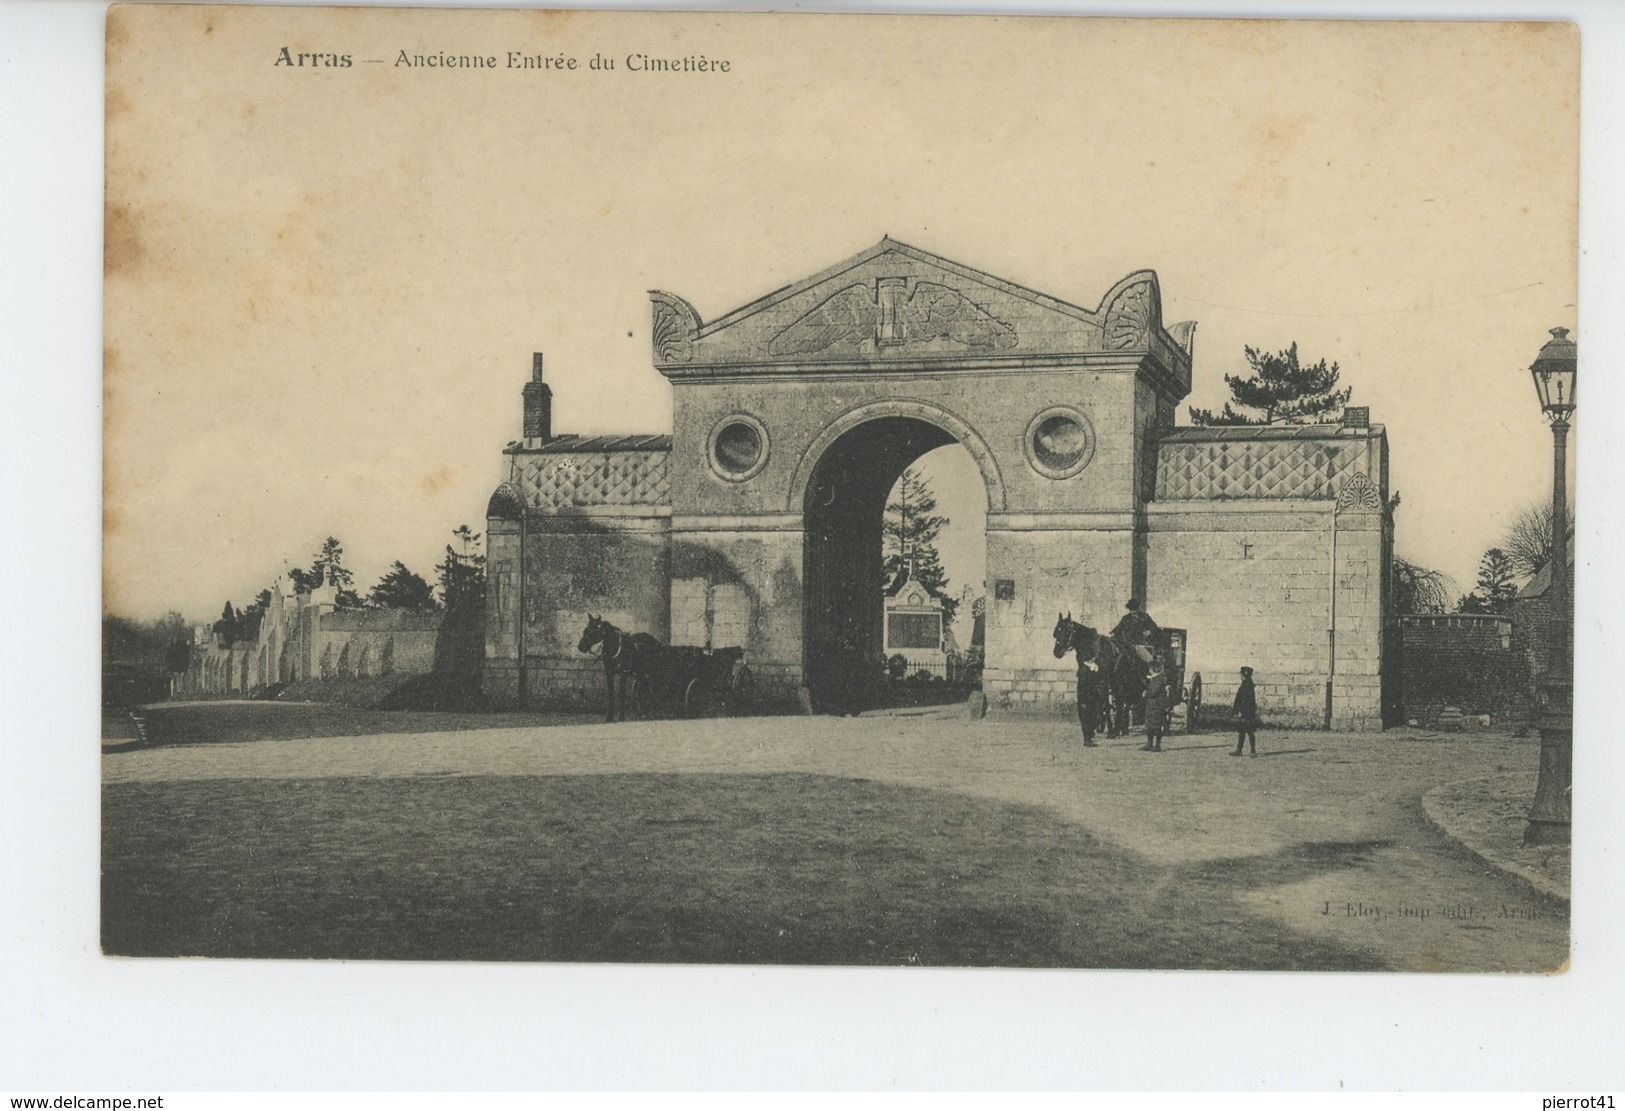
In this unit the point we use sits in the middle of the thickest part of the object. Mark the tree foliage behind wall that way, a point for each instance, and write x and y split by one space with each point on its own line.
140 657
1495 589
1418 589
402 588
460 647
327 569
1528 540
1280 389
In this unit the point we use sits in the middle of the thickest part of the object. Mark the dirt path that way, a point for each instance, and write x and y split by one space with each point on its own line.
1325 832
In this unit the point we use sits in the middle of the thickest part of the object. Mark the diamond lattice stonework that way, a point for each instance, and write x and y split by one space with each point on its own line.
1303 470
583 480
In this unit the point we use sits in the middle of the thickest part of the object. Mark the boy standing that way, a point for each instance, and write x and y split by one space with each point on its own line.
1158 705
1246 713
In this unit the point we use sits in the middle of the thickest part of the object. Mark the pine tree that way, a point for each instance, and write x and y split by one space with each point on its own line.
226 627
327 569
909 534
248 620
460 647
402 589
1280 390
1495 590
462 572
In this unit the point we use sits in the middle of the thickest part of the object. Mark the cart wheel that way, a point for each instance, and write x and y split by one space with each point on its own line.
637 698
695 699
742 693
1193 702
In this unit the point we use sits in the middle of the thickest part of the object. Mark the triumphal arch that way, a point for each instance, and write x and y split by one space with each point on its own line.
757 521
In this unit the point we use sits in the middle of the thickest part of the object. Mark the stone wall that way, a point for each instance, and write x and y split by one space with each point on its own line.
1532 613
738 583
1252 586
582 527
613 565
218 668
1039 568
1241 555
365 643
303 636
1470 661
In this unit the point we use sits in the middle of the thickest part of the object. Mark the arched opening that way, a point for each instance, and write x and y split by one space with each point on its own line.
844 632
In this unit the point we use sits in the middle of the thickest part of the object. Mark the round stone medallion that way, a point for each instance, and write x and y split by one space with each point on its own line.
1060 442
738 447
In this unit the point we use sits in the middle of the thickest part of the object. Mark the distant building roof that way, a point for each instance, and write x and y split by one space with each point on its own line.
1537 586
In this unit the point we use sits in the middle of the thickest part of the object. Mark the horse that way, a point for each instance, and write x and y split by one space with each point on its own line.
1127 684
629 657
1097 661
1112 675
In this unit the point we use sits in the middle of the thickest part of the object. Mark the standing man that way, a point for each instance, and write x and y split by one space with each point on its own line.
1246 713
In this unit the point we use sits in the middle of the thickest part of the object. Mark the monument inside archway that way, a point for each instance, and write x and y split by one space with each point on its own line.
843 510
756 522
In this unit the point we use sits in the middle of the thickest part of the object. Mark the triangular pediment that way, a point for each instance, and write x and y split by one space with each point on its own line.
896 303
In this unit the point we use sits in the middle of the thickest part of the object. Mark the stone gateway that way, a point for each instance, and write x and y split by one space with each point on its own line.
757 521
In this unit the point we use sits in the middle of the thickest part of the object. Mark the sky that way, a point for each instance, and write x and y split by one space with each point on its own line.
324 287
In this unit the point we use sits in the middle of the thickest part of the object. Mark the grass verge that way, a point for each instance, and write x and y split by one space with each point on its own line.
736 869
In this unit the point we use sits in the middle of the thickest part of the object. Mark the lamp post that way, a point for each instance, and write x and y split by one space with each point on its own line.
1554 374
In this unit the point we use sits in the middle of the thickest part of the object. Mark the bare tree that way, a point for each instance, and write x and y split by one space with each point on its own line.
1528 541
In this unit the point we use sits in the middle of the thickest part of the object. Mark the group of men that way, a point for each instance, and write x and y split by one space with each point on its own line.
1137 632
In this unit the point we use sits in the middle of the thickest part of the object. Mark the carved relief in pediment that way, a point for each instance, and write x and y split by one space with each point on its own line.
863 313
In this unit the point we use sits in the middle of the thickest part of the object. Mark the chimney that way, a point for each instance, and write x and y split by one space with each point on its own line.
538 404
1357 416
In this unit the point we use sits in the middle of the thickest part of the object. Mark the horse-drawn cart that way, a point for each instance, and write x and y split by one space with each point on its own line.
705 682
1112 678
1185 699
649 678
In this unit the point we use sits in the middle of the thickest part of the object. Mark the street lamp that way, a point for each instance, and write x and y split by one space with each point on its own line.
1554 374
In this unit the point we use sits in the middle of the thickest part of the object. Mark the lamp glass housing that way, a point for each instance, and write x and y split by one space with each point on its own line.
1554 372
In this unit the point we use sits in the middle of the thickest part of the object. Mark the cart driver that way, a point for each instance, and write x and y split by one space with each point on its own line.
1136 630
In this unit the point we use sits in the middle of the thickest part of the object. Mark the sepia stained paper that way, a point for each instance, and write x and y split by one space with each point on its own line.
336 239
